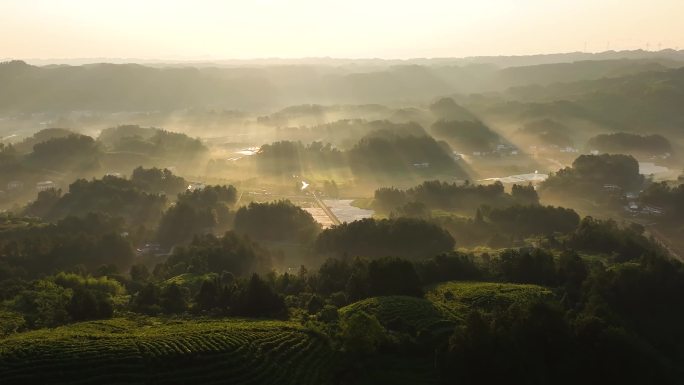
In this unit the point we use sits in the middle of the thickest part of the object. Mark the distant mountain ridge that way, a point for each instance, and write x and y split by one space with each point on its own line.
498 60
110 87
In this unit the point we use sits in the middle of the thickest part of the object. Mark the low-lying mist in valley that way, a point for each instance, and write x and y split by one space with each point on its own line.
400 213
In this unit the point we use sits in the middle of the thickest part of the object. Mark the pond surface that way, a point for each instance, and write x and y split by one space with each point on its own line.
650 168
345 212
249 151
520 178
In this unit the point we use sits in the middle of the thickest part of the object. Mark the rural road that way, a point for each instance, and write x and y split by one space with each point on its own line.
327 211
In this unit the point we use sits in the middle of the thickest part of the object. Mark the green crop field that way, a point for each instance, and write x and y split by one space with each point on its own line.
149 350
445 304
459 297
154 352
416 313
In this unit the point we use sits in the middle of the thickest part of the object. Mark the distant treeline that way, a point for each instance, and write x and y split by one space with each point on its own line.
595 178
625 143
382 154
58 153
132 87
461 197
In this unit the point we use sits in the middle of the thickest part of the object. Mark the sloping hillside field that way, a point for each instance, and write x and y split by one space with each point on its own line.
405 312
445 304
459 297
149 350
125 352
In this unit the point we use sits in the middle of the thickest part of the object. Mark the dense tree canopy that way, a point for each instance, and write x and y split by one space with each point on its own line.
210 254
155 180
626 143
454 196
288 158
501 227
466 136
197 212
623 243
594 178
110 195
276 222
546 132
26 145
447 109
90 241
153 142
391 155
401 237
533 220
662 195
70 153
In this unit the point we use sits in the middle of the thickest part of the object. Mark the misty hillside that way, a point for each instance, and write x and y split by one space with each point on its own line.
635 102
276 192
134 87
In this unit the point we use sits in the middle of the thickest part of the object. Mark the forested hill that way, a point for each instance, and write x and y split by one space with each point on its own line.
134 87
649 99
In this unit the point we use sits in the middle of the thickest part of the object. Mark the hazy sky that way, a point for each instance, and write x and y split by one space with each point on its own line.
212 29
